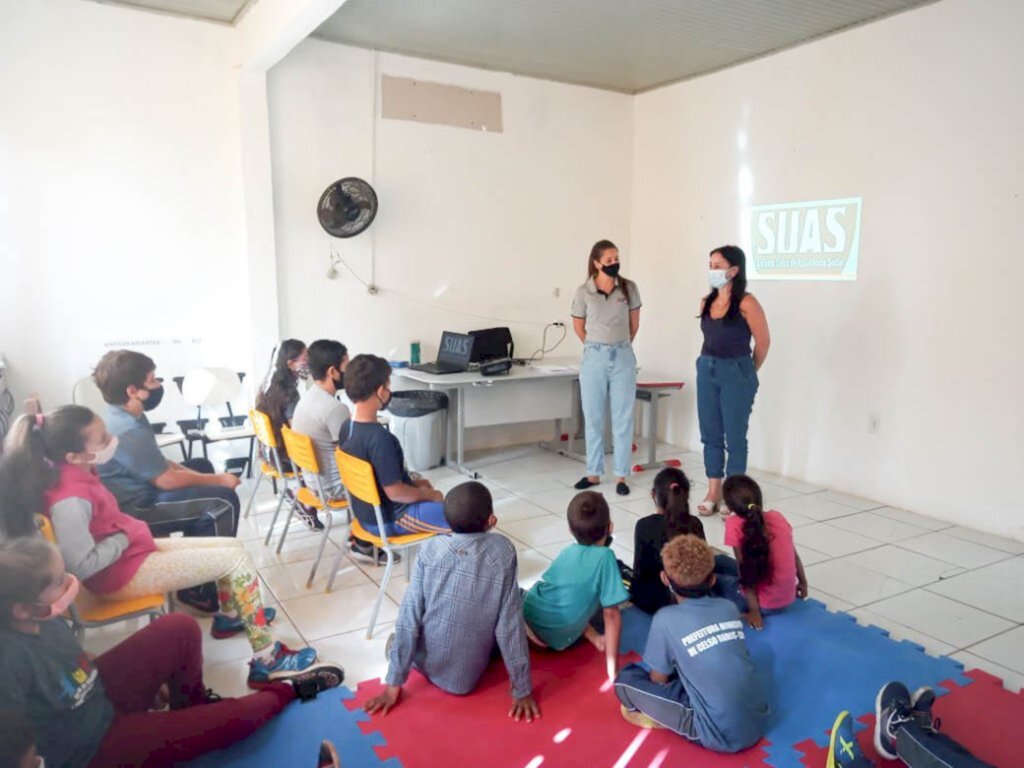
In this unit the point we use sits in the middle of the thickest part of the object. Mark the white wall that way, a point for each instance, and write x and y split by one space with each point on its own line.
921 114
121 211
471 226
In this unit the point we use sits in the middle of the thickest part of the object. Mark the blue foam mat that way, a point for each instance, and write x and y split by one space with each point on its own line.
815 664
293 738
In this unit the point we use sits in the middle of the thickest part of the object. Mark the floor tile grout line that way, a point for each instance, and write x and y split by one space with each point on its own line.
971 605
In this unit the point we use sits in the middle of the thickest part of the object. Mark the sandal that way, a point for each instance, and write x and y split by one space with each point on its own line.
707 508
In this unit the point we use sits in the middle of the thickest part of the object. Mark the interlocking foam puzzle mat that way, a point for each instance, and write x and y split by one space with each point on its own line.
815 663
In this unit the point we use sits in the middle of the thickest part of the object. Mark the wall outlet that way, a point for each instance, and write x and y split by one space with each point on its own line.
874 423
558 292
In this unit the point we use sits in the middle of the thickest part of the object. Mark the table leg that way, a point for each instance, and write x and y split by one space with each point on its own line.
652 428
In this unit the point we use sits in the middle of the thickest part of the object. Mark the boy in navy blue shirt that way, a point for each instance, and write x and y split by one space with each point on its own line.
697 678
407 505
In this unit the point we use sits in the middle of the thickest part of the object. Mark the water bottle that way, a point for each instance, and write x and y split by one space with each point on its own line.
414 353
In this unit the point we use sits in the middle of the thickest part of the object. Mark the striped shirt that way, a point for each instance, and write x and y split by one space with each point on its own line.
463 600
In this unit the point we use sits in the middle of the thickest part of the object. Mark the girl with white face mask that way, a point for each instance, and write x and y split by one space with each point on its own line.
727 369
49 467
92 712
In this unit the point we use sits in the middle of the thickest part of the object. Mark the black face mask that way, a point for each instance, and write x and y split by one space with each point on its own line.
700 590
384 403
155 396
339 383
612 270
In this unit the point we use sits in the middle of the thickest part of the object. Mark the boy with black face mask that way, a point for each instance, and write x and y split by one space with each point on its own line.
408 506
319 415
170 497
697 678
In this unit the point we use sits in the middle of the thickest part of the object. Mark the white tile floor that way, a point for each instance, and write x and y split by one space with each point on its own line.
953 590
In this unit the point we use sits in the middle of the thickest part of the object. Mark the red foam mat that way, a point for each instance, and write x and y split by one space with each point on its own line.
580 724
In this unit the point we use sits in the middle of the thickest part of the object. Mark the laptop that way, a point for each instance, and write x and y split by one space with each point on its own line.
453 355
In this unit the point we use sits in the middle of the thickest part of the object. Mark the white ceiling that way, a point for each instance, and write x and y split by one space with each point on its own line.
621 45
214 10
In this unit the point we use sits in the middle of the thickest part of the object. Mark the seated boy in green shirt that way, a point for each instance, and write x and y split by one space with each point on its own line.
582 579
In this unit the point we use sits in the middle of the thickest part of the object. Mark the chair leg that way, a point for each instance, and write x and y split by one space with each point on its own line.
320 552
184 453
287 523
273 521
408 562
252 499
252 457
380 595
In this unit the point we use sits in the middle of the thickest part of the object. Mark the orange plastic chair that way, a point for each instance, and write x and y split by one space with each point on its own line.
299 448
264 430
361 483
90 611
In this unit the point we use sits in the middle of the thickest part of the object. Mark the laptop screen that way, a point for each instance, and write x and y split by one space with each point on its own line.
455 348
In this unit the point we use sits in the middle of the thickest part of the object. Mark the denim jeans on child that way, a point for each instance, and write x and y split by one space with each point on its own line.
726 387
608 373
667 704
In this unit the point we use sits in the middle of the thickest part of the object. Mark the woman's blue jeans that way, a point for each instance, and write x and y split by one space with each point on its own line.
608 373
726 387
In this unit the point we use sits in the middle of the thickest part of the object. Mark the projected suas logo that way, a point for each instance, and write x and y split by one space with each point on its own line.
817 240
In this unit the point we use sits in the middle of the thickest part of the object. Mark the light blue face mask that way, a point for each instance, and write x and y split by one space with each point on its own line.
717 278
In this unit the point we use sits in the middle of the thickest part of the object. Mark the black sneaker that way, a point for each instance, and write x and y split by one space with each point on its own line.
202 598
892 712
921 702
364 551
328 756
309 517
315 679
585 482
621 488
210 696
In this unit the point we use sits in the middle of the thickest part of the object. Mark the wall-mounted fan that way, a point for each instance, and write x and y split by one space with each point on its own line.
347 207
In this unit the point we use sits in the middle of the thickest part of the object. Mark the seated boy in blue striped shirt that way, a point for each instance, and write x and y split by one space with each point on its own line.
463 605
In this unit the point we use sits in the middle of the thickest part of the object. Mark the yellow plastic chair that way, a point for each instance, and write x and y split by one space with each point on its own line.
361 483
264 430
90 611
299 448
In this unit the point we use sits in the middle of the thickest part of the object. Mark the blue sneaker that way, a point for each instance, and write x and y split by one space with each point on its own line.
229 626
287 663
843 749
893 710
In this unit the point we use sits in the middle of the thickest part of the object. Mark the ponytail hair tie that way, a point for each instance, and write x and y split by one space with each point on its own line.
673 486
751 507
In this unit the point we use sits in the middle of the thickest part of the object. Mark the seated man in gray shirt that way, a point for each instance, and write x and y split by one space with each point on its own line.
319 414
188 498
462 606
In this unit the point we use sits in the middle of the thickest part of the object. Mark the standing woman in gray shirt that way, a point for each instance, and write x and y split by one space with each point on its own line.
606 317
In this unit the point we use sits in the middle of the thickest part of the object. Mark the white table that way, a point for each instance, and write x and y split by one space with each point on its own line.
539 392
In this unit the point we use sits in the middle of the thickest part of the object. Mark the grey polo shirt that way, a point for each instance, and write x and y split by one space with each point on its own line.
607 314
137 461
320 416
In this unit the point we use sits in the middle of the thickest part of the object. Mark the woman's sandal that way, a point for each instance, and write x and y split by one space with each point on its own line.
707 508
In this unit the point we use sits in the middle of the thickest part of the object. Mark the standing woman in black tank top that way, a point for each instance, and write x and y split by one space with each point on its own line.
727 369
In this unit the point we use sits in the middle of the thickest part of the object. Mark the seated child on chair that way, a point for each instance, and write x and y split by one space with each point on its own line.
407 505
697 678
768 575
462 605
582 580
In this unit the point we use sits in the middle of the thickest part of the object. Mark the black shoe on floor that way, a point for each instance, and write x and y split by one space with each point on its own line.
364 551
328 756
202 598
621 488
309 517
320 677
584 483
